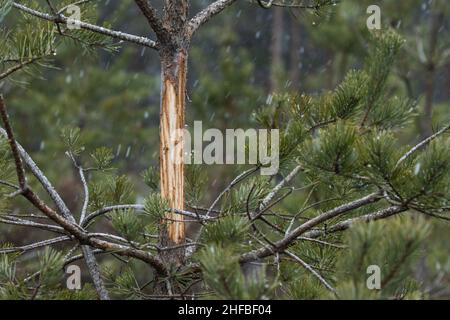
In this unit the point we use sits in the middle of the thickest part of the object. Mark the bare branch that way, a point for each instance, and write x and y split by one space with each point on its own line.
77 3
272 3
139 207
68 224
235 181
35 246
72 259
284 243
9 184
206 14
279 186
68 221
6 219
86 195
86 238
310 269
81 171
13 145
60 18
29 216
20 65
152 17
344 225
421 144
323 242
94 271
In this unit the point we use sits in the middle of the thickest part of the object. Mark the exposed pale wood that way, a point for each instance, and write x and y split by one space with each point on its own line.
172 146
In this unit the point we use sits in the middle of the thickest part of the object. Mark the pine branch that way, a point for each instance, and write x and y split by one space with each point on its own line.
67 221
408 251
17 67
72 228
284 243
60 18
310 269
233 183
82 236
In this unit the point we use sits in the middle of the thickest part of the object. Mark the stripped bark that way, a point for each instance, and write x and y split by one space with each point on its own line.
171 144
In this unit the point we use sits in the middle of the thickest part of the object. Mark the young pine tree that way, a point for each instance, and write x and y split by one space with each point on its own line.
348 199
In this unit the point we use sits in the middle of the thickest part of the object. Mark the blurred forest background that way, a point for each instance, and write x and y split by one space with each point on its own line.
237 64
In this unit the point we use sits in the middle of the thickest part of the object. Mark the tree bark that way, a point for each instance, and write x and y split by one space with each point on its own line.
174 41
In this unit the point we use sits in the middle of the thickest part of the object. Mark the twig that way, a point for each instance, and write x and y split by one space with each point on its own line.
421 144
234 182
344 225
35 246
323 242
138 207
8 184
85 188
13 145
26 223
313 272
18 66
35 292
279 186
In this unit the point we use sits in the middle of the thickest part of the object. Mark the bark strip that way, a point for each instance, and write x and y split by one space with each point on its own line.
172 145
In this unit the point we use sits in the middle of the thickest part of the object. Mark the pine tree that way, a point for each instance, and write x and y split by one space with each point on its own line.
343 169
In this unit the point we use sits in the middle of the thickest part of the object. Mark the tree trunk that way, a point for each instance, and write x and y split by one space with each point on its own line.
173 88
